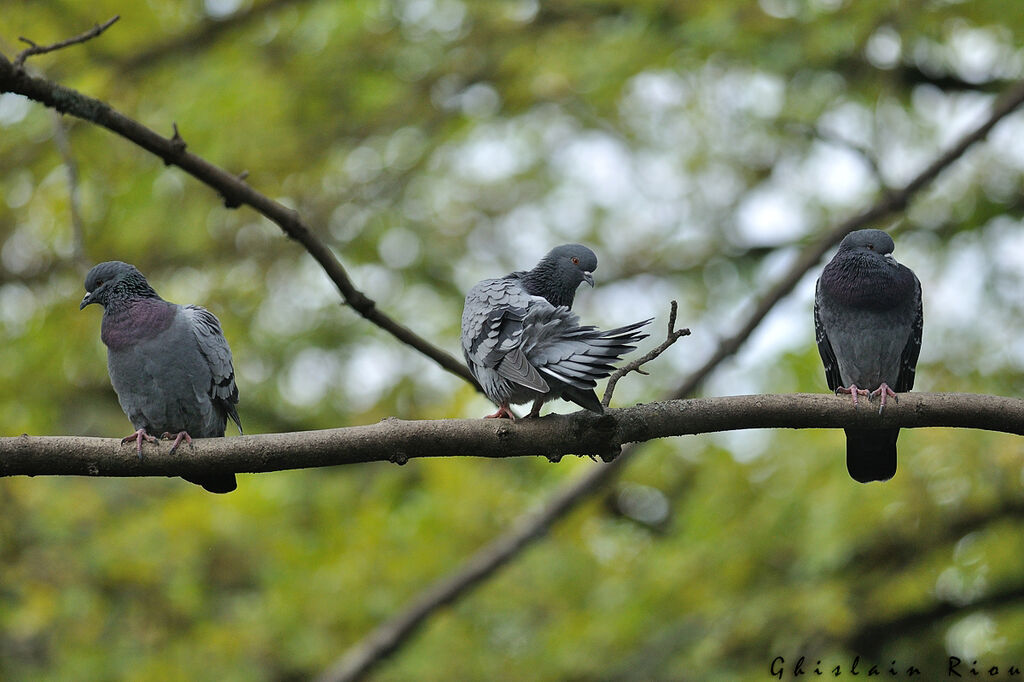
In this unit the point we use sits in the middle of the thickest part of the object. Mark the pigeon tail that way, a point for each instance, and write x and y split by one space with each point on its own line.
219 483
871 454
585 399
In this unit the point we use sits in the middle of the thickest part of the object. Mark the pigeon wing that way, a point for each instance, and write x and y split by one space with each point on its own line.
214 348
908 359
493 325
828 356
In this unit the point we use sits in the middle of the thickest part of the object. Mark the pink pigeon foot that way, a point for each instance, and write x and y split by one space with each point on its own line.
884 392
854 391
502 413
180 436
138 437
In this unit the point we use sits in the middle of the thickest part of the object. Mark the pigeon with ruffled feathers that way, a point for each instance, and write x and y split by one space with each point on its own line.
868 320
523 343
170 364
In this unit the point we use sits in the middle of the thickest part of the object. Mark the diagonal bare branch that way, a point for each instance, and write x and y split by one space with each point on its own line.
231 187
34 49
393 633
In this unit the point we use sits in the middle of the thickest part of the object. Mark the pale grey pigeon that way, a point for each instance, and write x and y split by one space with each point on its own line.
170 364
868 320
522 342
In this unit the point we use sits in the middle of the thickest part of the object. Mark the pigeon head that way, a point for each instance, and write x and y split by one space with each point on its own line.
868 242
115 282
864 274
560 272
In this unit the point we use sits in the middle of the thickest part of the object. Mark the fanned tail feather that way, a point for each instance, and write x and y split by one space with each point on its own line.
591 358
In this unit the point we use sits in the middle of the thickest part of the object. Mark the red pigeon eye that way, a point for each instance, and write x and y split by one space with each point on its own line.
575 260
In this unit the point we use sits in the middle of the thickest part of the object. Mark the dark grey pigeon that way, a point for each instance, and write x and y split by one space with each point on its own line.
868 320
170 364
522 342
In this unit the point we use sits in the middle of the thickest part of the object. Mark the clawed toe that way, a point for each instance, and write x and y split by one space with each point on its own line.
138 437
884 392
853 391
180 436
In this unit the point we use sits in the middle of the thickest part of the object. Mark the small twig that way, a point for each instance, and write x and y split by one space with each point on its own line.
635 366
177 141
60 138
34 49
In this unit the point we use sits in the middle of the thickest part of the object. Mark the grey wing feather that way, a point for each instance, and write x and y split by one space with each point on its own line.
516 367
908 359
534 344
828 356
578 356
214 347
492 331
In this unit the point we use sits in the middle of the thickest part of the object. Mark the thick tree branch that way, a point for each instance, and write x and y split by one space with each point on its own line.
234 190
580 433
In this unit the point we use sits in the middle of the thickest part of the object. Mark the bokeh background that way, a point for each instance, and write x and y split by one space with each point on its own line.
696 147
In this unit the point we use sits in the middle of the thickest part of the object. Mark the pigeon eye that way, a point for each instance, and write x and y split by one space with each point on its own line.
99 282
575 260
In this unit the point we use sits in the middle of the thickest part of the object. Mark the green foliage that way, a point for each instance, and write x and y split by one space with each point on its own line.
434 142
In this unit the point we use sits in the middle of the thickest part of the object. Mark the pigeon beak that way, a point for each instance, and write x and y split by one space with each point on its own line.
588 278
890 258
86 300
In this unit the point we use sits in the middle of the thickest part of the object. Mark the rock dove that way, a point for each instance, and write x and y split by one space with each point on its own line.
868 320
170 364
522 342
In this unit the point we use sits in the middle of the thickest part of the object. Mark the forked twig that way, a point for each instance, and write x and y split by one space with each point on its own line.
34 49
635 366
